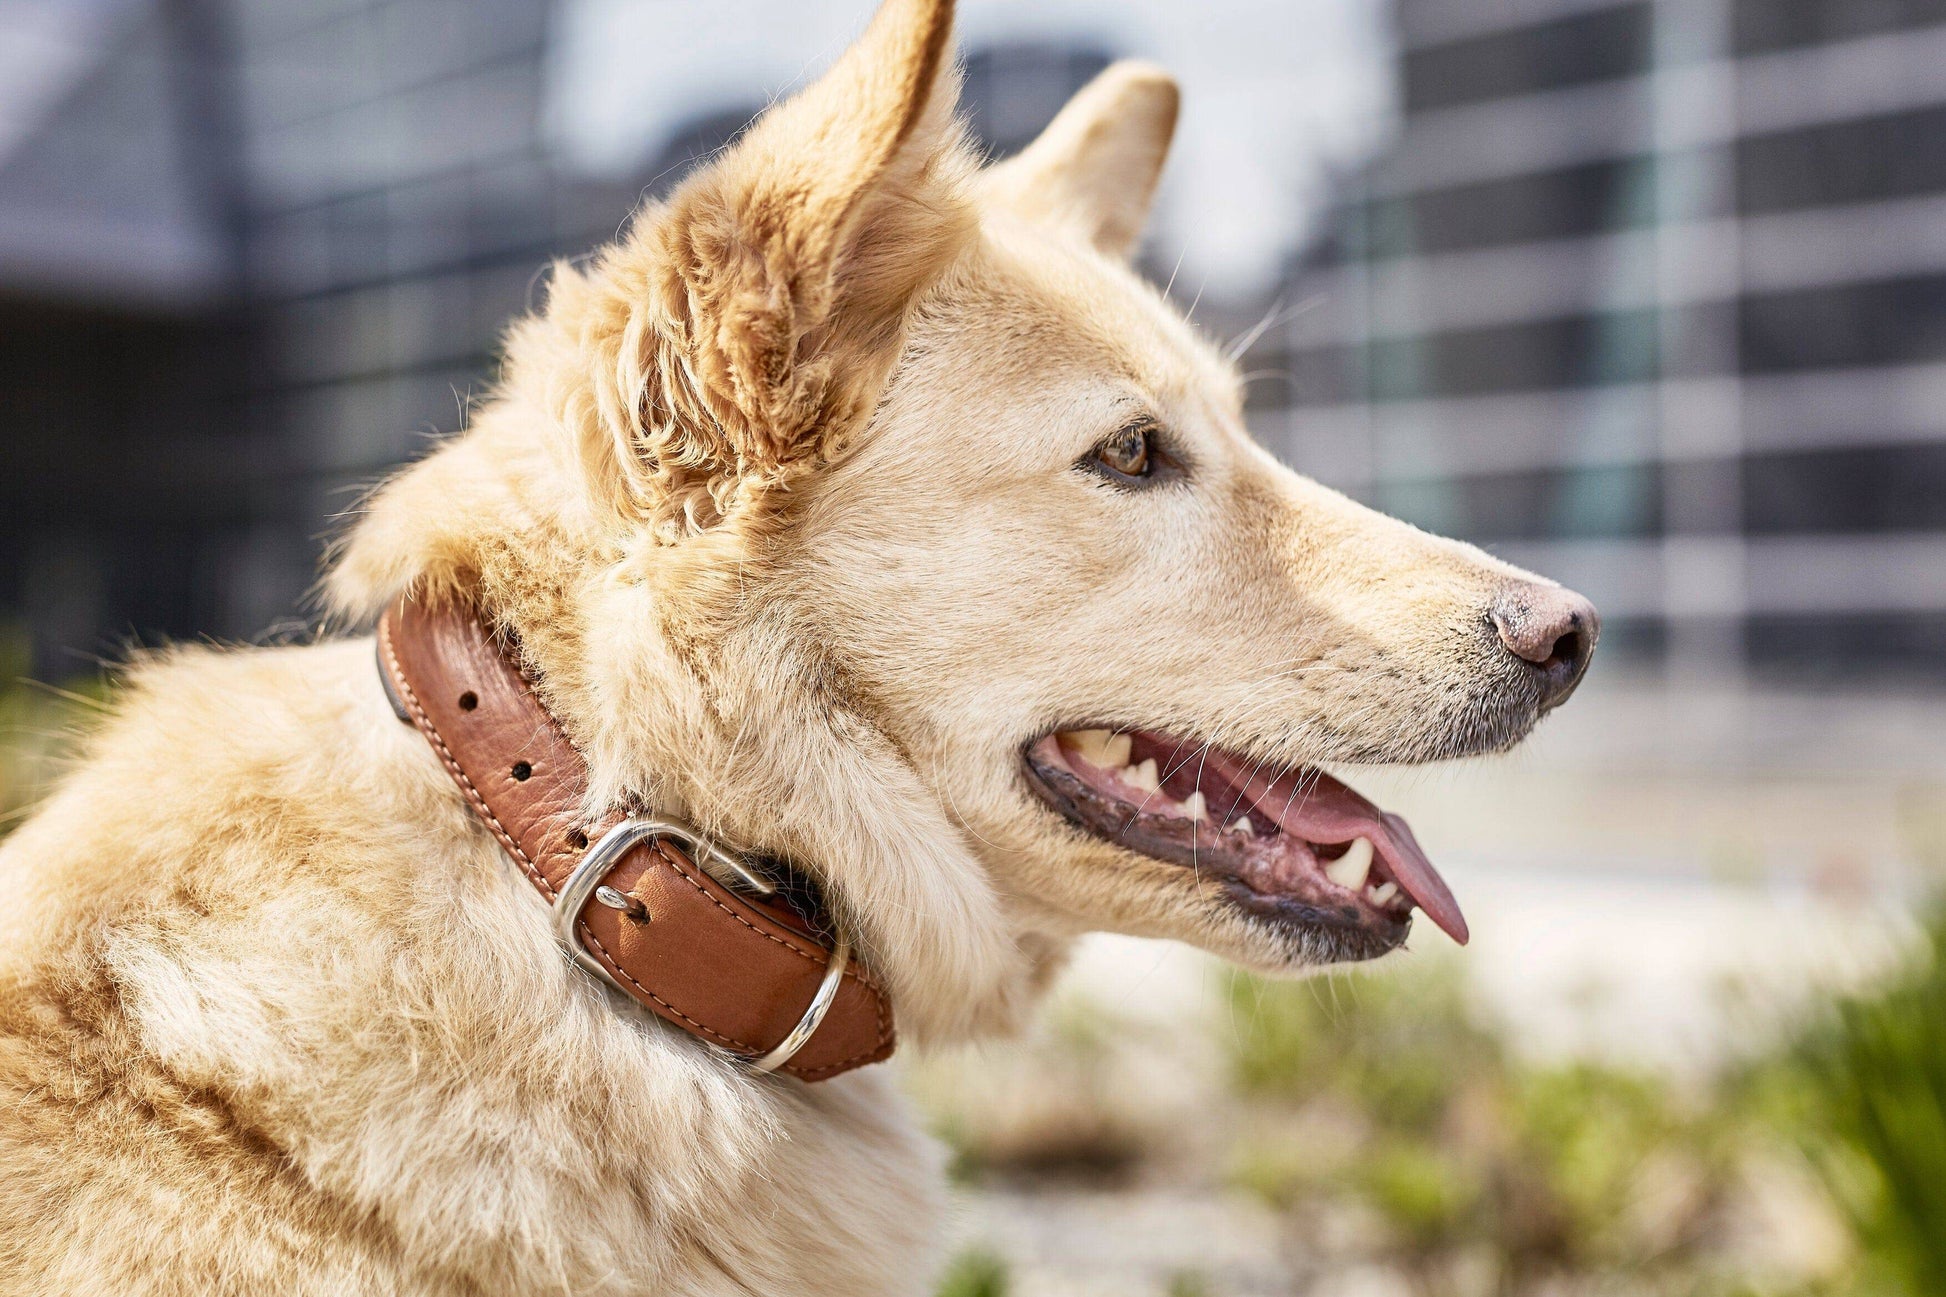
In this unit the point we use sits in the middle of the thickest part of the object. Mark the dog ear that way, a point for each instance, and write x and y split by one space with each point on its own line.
1094 169
763 305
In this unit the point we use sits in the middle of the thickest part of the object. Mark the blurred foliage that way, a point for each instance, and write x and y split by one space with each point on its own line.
974 1273
1388 1125
1052 1116
37 723
1576 1171
1188 1283
1450 1141
1865 1088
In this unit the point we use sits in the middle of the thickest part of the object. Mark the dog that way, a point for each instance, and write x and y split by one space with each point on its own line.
860 507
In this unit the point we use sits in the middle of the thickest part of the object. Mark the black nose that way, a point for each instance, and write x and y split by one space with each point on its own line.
1552 631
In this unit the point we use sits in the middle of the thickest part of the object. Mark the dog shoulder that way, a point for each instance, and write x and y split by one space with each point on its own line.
276 998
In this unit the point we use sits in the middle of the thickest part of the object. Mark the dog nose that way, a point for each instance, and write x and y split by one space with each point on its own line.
1552 630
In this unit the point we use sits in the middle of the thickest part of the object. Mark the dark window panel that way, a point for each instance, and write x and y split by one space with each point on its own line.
1321 376
1876 489
1602 501
1878 158
1764 25
1834 650
1014 89
119 452
1578 351
1574 201
696 141
1568 51
1860 489
1635 639
1270 385
1884 322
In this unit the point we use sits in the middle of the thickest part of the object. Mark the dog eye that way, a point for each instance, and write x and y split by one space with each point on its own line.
1126 453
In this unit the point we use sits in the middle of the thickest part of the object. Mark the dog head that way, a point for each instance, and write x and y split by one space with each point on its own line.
863 505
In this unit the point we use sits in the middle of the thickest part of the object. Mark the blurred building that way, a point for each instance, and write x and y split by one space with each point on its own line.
275 242
253 253
1651 296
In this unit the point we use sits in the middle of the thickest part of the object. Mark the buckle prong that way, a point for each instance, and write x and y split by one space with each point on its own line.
585 883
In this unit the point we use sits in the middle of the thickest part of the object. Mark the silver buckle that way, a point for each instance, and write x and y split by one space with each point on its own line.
602 856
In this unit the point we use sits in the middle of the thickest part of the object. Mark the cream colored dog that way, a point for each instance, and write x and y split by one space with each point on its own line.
860 506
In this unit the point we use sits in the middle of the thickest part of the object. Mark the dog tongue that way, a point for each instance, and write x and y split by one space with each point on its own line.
1312 805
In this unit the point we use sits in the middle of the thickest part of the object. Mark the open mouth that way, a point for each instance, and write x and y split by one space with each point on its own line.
1296 846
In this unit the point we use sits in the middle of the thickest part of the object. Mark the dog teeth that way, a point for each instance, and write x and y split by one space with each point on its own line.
1092 746
1099 748
1383 893
1195 807
1143 776
1351 870
1242 825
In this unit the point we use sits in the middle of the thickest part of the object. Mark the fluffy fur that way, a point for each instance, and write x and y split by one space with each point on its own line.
780 496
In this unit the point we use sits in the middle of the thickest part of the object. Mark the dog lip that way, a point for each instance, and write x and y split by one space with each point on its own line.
1276 870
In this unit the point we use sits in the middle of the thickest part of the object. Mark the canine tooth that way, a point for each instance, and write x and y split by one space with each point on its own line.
1090 746
1115 750
1143 776
1351 870
1195 807
1383 893
1242 825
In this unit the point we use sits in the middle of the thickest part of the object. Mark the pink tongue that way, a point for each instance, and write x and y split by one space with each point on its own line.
1314 806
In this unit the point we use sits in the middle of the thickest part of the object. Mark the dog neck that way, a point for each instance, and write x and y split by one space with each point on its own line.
709 702
632 896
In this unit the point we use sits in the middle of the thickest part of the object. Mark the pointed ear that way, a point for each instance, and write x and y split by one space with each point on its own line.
1094 169
766 300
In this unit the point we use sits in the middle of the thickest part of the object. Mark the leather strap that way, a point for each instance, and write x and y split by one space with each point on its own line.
737 971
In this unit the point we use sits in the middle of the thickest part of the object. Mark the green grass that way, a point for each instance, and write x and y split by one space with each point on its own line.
1585 1170
1454 1143
974 1273
1873 1113
37 723
1403 1047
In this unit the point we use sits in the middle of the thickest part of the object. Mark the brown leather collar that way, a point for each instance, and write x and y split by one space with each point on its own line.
743 973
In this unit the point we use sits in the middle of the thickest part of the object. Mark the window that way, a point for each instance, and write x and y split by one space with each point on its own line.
1832 647
1765 25
1856 489
1568 51
1896 156
1571 202
1883 322
1012 90
1577 351
1605 501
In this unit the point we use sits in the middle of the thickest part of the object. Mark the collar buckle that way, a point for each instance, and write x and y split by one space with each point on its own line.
600 860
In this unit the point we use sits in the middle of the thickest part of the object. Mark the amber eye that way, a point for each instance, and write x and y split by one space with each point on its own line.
1127 452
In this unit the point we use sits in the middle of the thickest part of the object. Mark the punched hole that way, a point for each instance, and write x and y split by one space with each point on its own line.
521 771
578 840
468 701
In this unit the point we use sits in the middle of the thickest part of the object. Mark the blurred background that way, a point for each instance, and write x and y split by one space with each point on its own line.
1648 295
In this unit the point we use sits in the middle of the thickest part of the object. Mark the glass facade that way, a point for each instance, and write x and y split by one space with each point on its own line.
328 212
1657 290
1566 51
1569 202
1765 25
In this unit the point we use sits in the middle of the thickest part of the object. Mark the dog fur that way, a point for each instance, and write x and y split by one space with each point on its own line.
779 495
